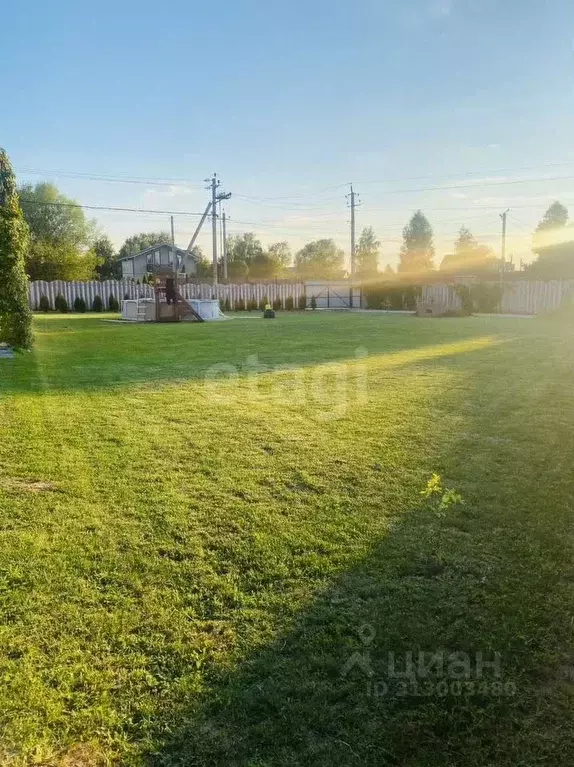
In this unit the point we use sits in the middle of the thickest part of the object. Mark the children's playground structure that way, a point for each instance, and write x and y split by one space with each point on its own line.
168 303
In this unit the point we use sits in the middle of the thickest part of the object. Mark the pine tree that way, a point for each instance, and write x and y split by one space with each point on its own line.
417 251
15 315
469 257
367 257
553 243
465 242
555 217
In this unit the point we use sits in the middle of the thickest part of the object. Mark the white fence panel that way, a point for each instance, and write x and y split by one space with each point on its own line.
121 289
519 296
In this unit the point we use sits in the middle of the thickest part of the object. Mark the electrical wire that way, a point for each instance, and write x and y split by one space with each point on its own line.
121 178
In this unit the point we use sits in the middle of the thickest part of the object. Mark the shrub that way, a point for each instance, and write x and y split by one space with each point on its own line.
126 296
44 304
227 305
466 302
302 302
97 305
289 303
240 305
383 295
313 302
251 305
479 297
79 305
263 303
113 304
486 297
60 304
277 304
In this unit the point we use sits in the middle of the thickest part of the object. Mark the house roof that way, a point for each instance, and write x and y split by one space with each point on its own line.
180 251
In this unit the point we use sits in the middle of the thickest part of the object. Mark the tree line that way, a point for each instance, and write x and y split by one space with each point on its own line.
65 245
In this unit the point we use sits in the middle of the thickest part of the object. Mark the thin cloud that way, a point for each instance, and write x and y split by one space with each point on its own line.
174 190
441 7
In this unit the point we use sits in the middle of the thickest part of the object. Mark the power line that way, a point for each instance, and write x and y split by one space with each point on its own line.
478 185
120 178
109 207
282 225
114 179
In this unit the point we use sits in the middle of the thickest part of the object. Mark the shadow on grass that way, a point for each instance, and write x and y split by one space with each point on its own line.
86 353
492 575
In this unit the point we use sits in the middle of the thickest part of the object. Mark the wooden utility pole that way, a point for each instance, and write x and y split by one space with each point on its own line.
175 270
224 245
213 184
352 196
174 254
503 245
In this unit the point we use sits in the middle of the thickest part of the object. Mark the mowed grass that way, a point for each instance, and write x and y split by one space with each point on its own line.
201 524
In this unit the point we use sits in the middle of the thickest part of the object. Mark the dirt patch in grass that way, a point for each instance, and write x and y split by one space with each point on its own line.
82 755
28 485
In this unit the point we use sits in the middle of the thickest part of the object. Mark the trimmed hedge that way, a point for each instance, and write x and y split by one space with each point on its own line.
97 305
60 304
113 304
79 305
44 304
384 295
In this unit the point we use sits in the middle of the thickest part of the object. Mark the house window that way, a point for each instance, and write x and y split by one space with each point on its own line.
156 257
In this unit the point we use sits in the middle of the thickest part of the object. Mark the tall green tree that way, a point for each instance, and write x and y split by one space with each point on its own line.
417 250
237 270
204 267
367 255
15 316
263 267
138 242
553 243
266 265
60 235
280 252
469 257
320 259
107 265
59 261
556 217
243 247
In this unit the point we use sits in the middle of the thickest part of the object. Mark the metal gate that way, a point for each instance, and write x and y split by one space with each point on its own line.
334 295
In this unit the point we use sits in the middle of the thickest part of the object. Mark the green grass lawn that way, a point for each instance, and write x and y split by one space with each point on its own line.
202 524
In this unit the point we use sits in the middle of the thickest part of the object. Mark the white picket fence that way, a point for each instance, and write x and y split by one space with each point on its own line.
519 296
121 289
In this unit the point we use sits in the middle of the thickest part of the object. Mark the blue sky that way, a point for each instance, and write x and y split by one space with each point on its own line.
288 101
